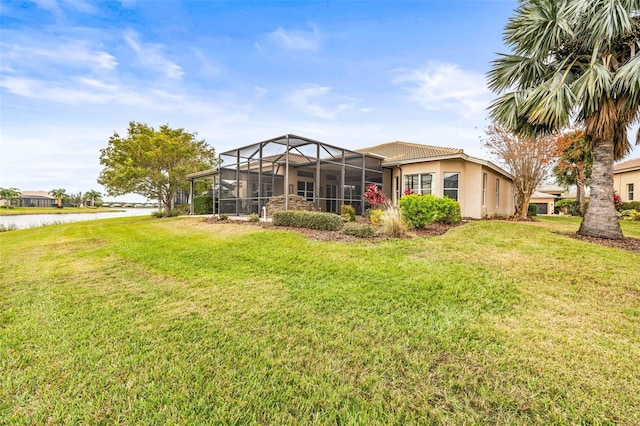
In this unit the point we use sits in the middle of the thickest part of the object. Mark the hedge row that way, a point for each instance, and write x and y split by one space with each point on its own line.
304 219
630 205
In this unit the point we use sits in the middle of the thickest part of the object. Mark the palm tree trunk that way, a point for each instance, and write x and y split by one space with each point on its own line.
600 219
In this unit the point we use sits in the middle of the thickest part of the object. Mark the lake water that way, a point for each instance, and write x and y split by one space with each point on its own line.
35 220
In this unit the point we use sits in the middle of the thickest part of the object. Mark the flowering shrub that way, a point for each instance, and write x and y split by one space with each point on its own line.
374 196
616 200
348 213
420 210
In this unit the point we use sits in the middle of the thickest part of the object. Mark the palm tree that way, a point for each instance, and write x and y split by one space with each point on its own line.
92 196
59 194
9 194
575 60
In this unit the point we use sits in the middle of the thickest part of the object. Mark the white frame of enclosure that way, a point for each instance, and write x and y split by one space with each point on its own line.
247 177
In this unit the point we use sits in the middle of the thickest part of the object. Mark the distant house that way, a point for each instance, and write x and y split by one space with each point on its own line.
626 180
326 177
33 199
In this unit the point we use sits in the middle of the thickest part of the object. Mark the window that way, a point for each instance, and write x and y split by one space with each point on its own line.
419 184
484 190
305 189
497 193
630 191
451 185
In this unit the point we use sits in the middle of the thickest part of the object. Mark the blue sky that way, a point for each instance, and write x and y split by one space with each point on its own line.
349 73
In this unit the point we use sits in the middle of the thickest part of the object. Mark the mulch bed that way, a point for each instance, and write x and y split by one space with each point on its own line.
433 230
631 244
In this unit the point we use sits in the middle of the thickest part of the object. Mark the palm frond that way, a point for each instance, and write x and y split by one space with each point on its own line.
506 109
538 28
510 71
594 84
551 103
607 20
626 83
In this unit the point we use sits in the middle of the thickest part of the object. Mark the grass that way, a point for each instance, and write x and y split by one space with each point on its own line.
175 321
15 211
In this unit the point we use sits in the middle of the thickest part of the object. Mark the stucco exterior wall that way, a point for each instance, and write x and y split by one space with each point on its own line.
621 180
470 192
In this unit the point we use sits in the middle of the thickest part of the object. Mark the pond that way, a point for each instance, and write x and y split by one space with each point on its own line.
35 220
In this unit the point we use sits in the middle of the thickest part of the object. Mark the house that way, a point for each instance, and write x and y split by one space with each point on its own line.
326 177
626 180
33 199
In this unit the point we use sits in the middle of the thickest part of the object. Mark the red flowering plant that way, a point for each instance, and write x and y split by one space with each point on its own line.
375 196
617 202
407 191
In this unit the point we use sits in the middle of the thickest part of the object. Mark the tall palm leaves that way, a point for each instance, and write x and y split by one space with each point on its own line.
59 194
574 60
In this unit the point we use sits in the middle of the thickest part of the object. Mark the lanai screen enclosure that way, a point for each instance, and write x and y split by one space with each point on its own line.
325 175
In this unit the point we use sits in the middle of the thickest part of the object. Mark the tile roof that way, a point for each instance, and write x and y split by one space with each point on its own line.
405 151
633 164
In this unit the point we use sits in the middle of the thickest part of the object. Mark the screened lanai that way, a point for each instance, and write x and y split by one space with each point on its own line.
324 175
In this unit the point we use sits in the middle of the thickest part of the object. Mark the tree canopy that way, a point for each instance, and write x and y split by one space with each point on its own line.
152 163
574 61
9 194
574 163
528 159
60 194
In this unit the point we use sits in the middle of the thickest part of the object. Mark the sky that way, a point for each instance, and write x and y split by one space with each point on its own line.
348 73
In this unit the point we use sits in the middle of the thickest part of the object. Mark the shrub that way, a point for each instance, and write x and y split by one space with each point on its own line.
348 213
223 217
360 230
304 219
532 210
253 217
633 215
157 214
570 206
392 223
631 205
374 196
420 210
375 217
203 204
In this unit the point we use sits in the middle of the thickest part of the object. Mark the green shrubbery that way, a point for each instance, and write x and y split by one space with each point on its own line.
253 217
630 214
569 206
532 210
630 205
348 213
420 210
203 204
360 230
304 219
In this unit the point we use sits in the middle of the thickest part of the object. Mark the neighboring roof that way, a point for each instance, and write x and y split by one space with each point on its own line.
551 189
538 194
404 151
36 194
398 153
627 166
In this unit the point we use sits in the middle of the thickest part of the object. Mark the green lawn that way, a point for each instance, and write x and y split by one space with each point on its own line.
175 321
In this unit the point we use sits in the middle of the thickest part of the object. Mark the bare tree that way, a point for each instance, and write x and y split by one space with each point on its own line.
528 159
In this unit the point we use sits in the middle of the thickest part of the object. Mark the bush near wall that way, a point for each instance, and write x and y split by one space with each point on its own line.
304 219
630 205
420 210
532 210
203 204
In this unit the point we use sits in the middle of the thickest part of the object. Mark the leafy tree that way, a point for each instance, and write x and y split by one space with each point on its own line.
9 194
574 60
152 163
93 196
574 163
528 159
60 195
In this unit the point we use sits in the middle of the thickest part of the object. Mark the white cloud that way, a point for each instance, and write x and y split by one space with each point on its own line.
150 55
307 99
442 86
297 40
